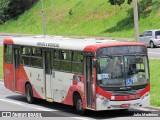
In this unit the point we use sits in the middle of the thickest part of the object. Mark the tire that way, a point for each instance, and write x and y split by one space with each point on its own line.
152 44
79 105
29 94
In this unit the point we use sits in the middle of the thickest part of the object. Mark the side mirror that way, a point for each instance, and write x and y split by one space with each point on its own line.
94 63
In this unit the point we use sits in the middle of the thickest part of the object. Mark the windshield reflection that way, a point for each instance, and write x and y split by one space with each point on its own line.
118 71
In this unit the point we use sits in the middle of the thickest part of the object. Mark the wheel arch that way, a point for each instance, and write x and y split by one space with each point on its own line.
75 93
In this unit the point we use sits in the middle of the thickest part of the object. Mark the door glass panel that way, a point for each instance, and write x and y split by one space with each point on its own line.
48 63
89 82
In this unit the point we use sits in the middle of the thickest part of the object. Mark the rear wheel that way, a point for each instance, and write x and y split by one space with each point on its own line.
79 105
29 94
152 44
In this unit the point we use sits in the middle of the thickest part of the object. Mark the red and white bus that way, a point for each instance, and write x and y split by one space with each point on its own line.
88 74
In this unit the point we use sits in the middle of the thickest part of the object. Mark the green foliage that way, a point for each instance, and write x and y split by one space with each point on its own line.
144 8
119 2
13 8
70 12
89 18
155 82
3 8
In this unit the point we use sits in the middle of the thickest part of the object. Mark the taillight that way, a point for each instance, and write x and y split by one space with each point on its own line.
155 37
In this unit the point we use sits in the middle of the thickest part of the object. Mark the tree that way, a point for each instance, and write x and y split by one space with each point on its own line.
3 8
119 2
13 8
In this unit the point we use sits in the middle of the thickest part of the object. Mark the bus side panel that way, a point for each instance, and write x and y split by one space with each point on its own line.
75 87
9 76
35 78
23 79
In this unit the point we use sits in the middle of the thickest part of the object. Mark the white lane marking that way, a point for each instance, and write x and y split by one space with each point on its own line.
154 53
2 83
18 103
145 109
82 118
38 108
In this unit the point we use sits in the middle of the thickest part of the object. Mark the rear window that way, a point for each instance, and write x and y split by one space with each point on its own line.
157 33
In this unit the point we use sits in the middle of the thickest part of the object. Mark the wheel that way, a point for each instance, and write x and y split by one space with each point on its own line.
79 105
152 44
29 94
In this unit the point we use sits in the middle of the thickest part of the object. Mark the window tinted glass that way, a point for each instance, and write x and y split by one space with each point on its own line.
66 55
144 34
8 49
149 33
8 53
77 57
66 66
25 60
56 60
36 62
37 52
157 32
26 51
77 67
56 54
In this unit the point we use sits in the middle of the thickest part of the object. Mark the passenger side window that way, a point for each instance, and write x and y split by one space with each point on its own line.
149 33
77 63
56 60
66 60
36 58
8 54
144 34
25 56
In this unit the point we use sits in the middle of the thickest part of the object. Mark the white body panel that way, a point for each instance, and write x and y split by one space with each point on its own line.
56 88
49 86
61 85
36 79
55 42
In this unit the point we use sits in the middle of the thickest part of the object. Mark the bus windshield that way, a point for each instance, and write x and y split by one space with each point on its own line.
117 72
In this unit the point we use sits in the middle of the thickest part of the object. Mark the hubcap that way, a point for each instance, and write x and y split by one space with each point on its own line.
152 44
79 105
28 94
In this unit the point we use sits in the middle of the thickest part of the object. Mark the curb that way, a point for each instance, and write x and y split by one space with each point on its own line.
153 108
15 34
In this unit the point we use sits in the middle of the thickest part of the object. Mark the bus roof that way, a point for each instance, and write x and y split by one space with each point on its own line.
88 44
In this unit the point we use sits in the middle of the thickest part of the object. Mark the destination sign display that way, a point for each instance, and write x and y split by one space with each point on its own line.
44 44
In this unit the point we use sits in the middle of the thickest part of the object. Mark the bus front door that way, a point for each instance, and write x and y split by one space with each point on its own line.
89 82
48 75
16 62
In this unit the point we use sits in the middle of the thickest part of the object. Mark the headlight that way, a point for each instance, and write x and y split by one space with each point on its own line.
102 98
146 95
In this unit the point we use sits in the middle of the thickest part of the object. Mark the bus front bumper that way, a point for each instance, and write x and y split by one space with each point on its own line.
105 104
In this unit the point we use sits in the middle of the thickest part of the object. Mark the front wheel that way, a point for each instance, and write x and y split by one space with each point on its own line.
152 44
29 94
79 105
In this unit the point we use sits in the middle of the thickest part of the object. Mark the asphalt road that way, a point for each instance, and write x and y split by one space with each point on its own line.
152 53
13 102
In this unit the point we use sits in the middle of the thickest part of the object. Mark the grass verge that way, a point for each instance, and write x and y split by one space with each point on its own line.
155 82
85 18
